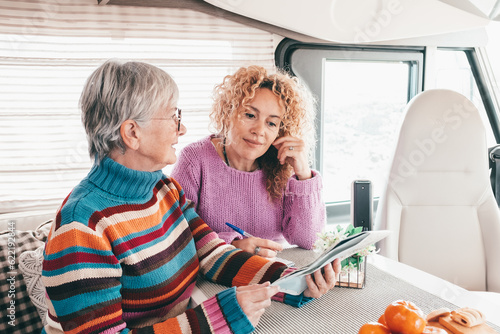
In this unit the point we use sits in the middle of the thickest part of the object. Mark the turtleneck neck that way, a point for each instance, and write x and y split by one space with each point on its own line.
121 181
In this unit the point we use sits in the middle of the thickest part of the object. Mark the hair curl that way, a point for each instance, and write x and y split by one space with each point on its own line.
117 91
236 92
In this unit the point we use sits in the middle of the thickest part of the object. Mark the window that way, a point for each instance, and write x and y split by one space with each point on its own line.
453 71
48 51
361 95
493 49
362 92
362 112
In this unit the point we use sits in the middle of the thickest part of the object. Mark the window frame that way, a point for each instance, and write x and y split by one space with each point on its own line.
322 52
480 68
483 77
339 212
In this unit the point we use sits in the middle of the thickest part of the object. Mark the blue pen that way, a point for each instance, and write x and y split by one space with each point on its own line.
240 231
248 235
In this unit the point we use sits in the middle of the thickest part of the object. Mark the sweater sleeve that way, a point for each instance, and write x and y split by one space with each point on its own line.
293 300
220 262
304 211
187 171
83 276
219 314
226 265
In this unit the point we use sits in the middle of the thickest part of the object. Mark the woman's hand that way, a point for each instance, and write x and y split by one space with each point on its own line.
254 299
267 248
322 282
292 150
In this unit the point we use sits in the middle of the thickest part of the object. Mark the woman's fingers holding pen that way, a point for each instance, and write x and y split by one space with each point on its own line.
254 299
258 246
268 248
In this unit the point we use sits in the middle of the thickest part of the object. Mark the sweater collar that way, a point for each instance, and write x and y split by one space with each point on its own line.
121 181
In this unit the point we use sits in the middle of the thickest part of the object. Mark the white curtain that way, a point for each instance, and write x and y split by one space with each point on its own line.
48 49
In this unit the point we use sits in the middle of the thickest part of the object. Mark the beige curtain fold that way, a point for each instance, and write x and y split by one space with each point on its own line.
49 48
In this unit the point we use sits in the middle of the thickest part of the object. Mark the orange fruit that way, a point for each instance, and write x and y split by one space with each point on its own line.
404 317
374 328
381 320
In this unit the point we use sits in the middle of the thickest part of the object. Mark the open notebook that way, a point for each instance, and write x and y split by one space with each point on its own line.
295 282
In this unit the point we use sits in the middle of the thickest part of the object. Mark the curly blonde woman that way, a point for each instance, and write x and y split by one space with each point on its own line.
254 171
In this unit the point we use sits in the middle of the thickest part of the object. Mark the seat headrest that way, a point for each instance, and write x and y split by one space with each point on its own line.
442 131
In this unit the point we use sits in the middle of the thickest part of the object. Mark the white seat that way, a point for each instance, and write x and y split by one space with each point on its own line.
438 201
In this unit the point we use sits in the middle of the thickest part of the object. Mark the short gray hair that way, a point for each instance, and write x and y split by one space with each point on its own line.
118 91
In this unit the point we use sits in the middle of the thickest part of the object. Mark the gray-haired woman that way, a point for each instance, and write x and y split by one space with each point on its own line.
126 246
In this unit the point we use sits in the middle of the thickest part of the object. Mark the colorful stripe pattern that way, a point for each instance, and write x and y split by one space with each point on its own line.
124 254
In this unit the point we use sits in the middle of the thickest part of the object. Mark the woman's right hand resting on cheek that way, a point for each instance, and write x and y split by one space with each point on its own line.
254 299
267 248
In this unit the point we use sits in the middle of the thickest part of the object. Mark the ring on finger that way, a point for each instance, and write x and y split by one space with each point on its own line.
257 250
291 148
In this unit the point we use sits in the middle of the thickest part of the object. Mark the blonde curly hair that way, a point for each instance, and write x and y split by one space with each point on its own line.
235 93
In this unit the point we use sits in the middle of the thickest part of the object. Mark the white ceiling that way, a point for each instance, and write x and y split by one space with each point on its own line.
488 8
368 21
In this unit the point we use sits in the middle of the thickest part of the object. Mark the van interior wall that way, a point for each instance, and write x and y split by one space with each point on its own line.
49 48
393 22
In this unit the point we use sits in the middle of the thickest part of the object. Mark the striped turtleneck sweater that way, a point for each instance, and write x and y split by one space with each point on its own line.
124 253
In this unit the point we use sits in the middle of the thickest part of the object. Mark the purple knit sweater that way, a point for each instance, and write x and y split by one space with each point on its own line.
224 194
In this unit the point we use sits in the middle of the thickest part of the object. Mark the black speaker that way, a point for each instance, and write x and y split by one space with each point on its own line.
361 204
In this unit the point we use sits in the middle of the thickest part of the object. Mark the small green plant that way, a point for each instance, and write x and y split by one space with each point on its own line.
328 239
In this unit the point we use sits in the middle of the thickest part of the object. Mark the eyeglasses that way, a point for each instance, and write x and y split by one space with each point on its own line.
176 117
